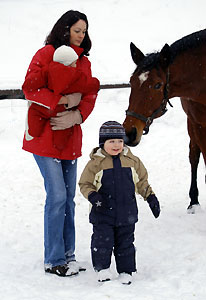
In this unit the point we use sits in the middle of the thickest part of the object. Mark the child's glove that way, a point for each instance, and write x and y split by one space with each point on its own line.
95 199
154 205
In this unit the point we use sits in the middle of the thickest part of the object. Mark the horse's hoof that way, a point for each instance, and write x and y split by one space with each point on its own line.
192 209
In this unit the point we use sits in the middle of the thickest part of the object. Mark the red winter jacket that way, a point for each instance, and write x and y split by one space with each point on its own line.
36 90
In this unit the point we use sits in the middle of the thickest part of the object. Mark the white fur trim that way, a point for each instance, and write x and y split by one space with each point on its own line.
99 153
125 150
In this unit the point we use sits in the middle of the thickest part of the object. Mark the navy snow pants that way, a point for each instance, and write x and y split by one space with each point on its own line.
107 239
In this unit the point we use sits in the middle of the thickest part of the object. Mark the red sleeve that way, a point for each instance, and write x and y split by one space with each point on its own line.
87 103
92 85
35 84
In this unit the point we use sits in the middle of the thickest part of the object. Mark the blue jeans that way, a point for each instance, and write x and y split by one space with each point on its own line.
59 227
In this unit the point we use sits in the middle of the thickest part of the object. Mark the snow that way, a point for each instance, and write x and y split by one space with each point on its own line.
171 253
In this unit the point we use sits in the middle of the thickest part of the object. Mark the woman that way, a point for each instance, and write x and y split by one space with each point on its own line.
58 168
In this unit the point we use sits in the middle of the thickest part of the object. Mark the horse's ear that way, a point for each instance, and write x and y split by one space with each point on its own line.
137 55
165 55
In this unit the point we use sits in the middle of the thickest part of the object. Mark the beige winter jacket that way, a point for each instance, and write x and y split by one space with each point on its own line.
100 161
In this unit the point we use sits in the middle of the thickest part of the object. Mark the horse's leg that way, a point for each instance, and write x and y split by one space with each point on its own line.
194 156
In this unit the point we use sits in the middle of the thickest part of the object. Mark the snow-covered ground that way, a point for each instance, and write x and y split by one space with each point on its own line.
171 252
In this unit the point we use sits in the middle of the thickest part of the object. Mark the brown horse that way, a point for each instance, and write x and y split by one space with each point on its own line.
178 70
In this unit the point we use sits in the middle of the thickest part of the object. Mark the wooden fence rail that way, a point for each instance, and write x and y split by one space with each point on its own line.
18 94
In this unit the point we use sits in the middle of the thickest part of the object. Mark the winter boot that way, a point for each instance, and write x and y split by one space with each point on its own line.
74 268
125 278
104 275
58 270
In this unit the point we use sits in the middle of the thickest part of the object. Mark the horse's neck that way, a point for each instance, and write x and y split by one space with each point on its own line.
188 76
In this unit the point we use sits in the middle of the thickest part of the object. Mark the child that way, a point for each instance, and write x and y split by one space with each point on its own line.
109 181
63 78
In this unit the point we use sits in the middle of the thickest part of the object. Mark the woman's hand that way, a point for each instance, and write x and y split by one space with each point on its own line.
71 100
66 119
63 100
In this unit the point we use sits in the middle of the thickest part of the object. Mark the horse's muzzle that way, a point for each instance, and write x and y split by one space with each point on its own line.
131 138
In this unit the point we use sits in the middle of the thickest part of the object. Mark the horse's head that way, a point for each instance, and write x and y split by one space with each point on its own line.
149 84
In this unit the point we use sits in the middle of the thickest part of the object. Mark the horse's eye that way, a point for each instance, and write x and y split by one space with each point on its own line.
157 86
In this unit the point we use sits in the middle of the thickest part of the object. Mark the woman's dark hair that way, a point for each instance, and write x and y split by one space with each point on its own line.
60 33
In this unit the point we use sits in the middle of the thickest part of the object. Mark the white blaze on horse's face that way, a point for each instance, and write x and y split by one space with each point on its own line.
143 77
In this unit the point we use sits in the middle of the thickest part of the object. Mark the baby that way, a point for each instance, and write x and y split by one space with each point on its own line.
63 78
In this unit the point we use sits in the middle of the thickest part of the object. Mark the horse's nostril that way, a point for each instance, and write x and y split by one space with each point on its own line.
134 133
131 137
126 139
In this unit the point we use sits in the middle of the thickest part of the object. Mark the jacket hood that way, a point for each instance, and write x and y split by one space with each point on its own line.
77 49
101 153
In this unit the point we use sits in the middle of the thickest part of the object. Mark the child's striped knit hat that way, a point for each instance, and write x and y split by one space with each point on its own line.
110 130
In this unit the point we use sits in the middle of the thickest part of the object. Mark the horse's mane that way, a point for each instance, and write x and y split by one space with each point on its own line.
190 41
149 62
